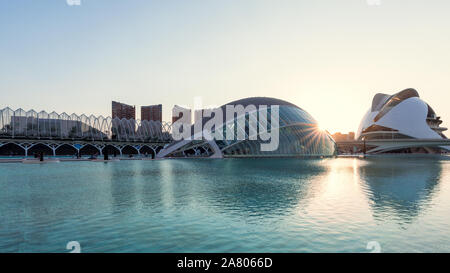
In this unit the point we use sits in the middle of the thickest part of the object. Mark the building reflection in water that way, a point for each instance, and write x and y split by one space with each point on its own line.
123 180
204 205
399 187
262 188
253 189
259 188
137 185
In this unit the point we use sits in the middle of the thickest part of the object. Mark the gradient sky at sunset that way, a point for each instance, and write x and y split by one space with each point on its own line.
328 57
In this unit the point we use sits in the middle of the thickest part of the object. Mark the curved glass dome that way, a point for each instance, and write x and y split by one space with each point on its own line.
299 135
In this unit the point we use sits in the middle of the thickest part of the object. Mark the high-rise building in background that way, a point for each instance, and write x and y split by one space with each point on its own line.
122 110
294 138
151 112
177 113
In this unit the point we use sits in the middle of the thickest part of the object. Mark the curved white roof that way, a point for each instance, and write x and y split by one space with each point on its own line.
403 112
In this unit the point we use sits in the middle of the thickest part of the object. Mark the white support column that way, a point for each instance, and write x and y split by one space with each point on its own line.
119 147
151 147
138 149
99 148
54 147
25 146
78 147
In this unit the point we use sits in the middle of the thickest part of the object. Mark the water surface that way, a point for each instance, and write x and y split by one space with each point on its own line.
229 205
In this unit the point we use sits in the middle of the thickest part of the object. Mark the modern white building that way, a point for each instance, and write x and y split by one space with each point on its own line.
299 134
41 125
403 115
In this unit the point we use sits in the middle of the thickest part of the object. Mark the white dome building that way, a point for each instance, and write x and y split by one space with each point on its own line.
299 135
402 116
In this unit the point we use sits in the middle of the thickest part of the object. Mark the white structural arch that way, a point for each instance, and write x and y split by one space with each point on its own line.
299 134
100 147
33 125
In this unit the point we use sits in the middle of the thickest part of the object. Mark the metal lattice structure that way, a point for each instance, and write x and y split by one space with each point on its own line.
299 134
77 146
20 124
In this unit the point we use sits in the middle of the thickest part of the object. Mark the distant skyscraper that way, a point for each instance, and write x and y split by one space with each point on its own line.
177 113
122 110
151 112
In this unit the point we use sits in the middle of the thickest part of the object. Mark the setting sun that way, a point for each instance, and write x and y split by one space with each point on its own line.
320 128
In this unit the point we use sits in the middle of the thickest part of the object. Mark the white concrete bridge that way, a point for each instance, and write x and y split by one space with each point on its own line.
78 145
385 145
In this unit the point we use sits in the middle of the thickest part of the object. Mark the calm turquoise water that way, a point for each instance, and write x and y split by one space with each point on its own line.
230 205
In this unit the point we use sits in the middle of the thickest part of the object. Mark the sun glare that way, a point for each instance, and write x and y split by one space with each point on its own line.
320 128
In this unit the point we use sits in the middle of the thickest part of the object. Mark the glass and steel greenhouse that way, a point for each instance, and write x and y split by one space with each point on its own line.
42 125
299 135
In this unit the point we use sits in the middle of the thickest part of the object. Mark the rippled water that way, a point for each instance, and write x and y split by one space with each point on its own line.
230 205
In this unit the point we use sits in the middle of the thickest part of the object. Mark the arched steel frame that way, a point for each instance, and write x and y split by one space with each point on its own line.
54 145
33 125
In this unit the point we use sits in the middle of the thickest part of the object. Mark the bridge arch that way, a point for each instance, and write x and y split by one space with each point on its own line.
40 148
11 149
130 150
66 149
89 149
146 149
158 148
111 150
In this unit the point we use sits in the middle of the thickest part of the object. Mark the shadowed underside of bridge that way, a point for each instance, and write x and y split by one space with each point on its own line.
67 147
387 145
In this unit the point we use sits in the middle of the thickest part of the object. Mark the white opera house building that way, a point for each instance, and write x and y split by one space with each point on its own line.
402 116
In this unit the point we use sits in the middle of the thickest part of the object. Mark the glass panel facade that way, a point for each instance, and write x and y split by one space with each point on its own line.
299 136
30 124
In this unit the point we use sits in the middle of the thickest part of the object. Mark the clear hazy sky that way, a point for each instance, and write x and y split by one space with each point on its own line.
327 56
